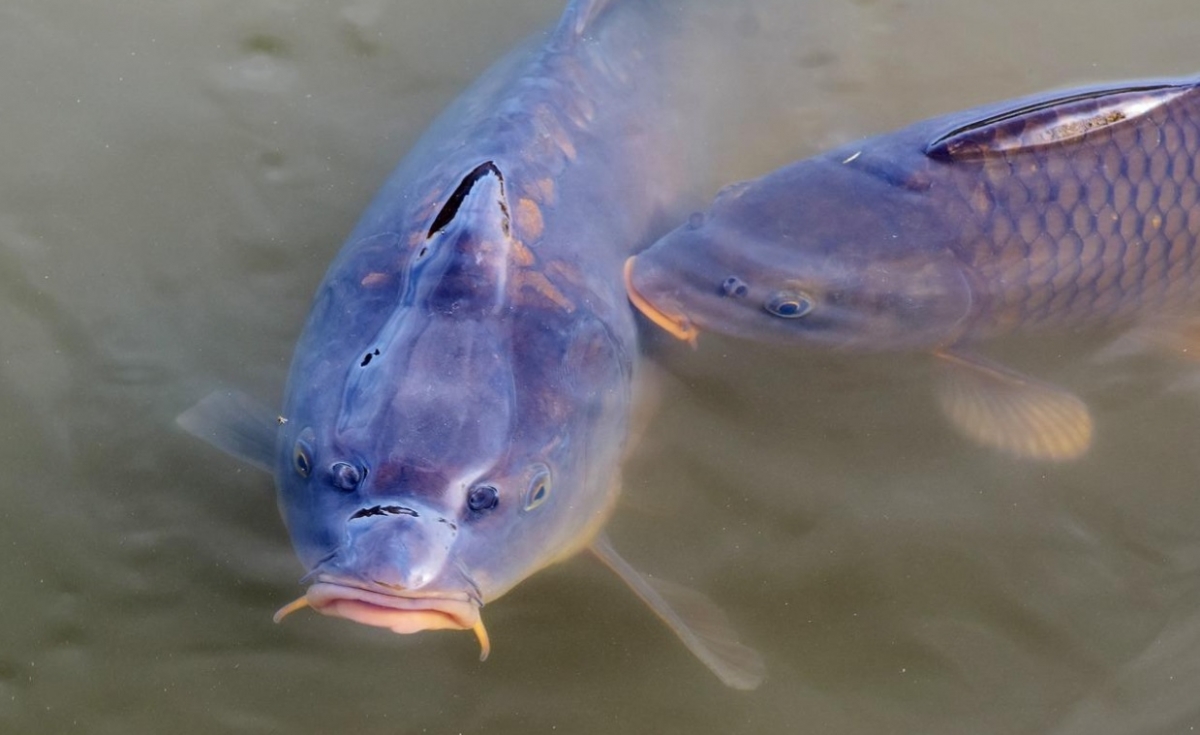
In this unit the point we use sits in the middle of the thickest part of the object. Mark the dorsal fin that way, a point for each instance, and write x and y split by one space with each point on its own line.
578 17
1061 118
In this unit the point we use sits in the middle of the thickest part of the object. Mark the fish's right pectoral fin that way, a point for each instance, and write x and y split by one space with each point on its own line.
699 623
236 424
1005 410
1177 336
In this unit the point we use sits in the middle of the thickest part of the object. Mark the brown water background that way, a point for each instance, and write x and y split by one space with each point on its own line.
174 178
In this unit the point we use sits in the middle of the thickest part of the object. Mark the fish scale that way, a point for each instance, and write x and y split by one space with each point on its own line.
1114 237
1057 212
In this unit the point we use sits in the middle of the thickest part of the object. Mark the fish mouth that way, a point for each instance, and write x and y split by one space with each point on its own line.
401 611
677 325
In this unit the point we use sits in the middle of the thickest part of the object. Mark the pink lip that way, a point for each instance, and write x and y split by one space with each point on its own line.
408 613
401 614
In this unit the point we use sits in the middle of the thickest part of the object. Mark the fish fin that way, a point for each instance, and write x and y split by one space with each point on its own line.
1006 410
236 424
1054 119
579 16
699 623
648 381
1176 336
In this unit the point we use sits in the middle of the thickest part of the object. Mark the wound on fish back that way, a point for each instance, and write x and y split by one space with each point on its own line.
446 216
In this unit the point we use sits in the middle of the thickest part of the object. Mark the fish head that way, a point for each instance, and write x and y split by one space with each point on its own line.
820 253
443 444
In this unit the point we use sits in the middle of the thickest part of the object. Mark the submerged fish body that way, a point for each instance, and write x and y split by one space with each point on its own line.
1061 211
457 405
458 401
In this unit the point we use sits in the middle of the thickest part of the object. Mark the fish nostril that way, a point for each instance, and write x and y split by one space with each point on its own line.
345 476
734 286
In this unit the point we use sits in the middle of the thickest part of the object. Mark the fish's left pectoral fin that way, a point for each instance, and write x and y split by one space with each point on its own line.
236 424
1005 410
699 623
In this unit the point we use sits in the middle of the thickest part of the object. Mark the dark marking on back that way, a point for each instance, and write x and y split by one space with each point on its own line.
384 510
367 358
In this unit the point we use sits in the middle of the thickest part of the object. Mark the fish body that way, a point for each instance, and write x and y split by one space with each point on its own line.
1063 211
458 403
472 334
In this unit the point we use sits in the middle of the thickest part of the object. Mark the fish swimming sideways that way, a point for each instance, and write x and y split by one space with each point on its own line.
458 403
1054 213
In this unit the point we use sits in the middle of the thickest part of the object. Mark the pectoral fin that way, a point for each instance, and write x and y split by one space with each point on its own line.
1003 409
236 424
698 622
1175 336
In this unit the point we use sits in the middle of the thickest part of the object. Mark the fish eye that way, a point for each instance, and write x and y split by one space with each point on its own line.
789 304
734 286
539 489
483 497
345 475
302 454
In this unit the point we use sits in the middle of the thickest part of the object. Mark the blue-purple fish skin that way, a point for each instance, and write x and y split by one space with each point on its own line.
1062 211
457 407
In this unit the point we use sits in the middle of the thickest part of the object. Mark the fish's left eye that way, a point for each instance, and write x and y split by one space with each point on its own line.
789 304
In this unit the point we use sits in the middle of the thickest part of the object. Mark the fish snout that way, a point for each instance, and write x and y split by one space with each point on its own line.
400 546
656 303
396 570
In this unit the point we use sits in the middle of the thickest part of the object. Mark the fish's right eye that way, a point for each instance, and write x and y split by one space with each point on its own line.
302 453
302 458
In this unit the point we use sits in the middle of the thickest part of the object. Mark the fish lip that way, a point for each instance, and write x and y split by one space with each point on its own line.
402 611
676 324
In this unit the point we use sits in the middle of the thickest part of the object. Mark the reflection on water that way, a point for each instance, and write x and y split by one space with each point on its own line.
176 180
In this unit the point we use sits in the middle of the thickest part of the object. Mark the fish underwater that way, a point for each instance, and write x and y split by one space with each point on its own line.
1053 213
459 401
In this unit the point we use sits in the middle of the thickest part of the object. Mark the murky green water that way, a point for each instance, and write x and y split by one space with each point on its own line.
175 179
